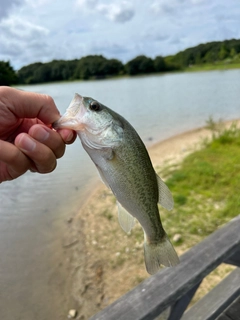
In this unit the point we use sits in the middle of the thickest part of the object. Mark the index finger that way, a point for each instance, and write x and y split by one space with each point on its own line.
30 104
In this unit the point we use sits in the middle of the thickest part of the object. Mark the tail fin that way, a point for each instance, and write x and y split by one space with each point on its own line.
157 254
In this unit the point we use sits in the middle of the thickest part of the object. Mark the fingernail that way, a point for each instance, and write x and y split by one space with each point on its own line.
69 137
27 144
41 134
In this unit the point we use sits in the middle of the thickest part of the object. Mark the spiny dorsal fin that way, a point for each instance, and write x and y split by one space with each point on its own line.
165 197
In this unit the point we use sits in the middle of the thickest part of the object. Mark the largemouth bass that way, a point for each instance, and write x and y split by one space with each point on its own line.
125 167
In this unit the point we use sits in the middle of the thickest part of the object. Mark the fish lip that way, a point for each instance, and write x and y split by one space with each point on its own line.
56 125
65 123
69 120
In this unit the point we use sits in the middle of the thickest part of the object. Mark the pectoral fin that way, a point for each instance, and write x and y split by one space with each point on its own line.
126 220
165 197
102 177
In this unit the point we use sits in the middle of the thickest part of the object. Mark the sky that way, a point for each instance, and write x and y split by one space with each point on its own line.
43 30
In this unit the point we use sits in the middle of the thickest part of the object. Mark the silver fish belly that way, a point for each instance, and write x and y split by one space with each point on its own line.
125 167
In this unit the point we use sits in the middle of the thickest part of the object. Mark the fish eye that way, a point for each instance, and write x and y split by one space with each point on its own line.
94 106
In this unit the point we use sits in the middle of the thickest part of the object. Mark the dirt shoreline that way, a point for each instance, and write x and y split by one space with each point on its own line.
103 262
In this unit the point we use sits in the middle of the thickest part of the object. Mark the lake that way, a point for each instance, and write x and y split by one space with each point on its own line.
34 207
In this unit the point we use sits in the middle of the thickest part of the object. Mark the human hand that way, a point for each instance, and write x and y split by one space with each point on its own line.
27 140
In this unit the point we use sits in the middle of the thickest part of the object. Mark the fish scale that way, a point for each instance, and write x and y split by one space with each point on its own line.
125 167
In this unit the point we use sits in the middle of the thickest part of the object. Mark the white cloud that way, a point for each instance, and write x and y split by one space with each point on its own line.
42 30
21 40
163 6
7 6
37 3
86 3
117 12
198 1
20 29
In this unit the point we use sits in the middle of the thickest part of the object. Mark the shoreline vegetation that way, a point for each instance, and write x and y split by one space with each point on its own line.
106 263
217 55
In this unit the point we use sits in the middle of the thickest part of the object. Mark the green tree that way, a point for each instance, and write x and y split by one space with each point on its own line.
42 74
113 67
210 57
26 73
207 53
140 65
232 53
223 52
7 74
97 66
56 70
159 64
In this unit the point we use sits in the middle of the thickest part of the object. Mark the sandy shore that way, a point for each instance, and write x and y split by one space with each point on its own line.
102 261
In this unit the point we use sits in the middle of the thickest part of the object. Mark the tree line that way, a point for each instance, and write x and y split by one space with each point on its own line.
89 67
208 53
97 66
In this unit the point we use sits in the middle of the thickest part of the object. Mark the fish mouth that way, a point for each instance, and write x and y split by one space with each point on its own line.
72 117
65 123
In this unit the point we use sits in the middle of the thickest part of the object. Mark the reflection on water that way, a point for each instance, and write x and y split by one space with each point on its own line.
33 207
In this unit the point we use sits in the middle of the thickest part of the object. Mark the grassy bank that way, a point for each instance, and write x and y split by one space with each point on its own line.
224 65
205 186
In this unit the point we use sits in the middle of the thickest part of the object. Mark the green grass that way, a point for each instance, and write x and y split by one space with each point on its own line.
214 66
206 187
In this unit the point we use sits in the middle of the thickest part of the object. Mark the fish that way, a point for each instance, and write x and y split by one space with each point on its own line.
126 169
